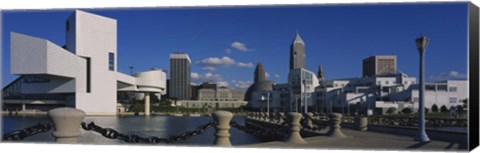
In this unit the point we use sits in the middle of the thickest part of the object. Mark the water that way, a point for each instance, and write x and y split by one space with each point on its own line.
159 126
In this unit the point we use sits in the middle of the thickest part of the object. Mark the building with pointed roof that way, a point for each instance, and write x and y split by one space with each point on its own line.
297 53
320 74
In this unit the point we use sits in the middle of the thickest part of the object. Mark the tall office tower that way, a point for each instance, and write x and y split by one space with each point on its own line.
259 74
297 53
379 65
180 80
320 74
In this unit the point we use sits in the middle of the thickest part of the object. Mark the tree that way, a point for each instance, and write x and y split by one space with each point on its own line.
465 103
434 108
459 109
426 110
443 109
391 110
407 110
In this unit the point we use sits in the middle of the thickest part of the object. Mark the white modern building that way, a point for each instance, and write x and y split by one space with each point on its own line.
302 85
81 74
384 92
450 93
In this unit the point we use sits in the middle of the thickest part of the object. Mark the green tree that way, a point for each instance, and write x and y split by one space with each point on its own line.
459 109
465 103
434 108
407 110
391 110
443 109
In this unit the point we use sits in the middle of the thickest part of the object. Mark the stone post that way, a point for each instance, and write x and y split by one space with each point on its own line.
222 137
67 124
335 120
281 116
309 118
361 123
264 117
147 104
294 134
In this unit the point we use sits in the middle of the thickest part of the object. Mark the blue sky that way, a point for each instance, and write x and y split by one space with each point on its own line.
231 40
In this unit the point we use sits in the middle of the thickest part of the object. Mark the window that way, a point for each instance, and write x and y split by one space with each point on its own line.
35 80
415 99
452 89
111 61
88 75
453 100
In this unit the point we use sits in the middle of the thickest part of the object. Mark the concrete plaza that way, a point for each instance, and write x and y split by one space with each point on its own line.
366 141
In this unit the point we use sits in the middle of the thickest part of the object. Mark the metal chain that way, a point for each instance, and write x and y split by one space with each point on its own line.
24 133
319 126
132 138
271 134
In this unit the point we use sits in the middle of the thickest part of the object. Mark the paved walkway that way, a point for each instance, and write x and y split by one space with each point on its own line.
366 141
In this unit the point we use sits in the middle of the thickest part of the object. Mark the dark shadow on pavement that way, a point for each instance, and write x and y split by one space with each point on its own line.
449 145
417 145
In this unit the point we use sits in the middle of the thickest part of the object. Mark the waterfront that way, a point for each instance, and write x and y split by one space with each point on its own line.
160 126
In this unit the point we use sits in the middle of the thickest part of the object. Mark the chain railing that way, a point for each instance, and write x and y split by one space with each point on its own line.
27 132
265 133
412 121
132 138
317 124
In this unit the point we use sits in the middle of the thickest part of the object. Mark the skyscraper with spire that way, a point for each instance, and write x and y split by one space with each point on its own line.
320 75
297 53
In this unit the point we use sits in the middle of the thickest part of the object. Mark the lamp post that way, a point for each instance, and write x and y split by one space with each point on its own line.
421 135
268 102
304 81
131 68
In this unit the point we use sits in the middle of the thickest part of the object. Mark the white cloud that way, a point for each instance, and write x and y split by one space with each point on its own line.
222 84
212 77
240 46
452 75
211 63
199 78
228 51
208 68
245 65
215 61
277 76
242 84
194 75
266 74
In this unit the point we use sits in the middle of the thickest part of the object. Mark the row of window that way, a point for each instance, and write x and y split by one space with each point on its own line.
450 99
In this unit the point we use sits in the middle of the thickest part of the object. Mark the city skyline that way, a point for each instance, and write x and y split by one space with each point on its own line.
233 42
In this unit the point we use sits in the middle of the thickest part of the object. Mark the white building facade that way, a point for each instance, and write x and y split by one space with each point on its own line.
384 92
84 70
